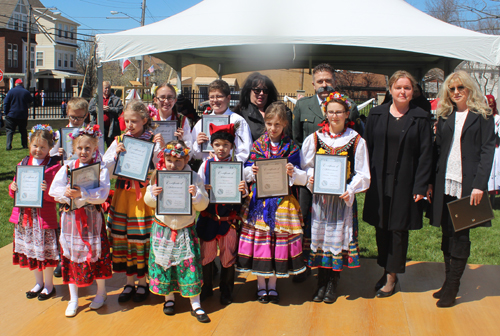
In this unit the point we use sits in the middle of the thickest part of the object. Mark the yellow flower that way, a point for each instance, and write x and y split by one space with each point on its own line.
348 169
343 153
321 151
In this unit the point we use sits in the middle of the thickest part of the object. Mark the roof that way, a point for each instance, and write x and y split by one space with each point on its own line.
208 80
375 36
7 8
58 74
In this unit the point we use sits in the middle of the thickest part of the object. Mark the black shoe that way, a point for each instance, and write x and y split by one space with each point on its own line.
301 277
262 297
457 267
124 297
447 267
331 287
141 297
203 318
43 297
319 296
439 293
273 298
169 310
382 294
381 282
32 295
57 271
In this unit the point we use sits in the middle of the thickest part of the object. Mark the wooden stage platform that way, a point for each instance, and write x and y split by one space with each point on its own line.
411 311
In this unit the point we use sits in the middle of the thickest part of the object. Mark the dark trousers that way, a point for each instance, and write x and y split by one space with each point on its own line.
10 127
392 249
454 244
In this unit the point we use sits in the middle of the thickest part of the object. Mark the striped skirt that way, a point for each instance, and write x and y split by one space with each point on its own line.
267 253
130 222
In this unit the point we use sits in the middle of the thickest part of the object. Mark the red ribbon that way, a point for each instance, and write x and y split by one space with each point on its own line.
173 237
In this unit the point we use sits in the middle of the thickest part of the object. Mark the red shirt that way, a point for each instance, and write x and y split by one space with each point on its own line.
105 102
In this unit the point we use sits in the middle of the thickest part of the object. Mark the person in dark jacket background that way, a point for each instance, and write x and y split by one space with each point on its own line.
398 135
15 108
112 108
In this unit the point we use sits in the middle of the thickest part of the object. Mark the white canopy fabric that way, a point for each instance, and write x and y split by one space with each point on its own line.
234 36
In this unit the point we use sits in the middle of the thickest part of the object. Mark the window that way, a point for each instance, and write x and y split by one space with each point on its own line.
59 30
66 32
16 21
9 55
39 59
15 64
71 33
71 61
59 60
65 60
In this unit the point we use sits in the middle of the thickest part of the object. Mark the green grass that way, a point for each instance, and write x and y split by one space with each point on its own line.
424 244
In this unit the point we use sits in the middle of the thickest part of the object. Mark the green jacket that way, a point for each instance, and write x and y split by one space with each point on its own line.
306 117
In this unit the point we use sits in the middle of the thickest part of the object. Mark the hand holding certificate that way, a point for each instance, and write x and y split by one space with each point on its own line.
29 191
87 177
217 120
225 178
175 198
134 162
272 178
330 173
167 129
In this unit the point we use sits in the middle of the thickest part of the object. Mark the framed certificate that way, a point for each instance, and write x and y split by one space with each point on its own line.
175 198
166 129
29 192
272 179
85 177
224 179
217 120
134 163
67 142
330 174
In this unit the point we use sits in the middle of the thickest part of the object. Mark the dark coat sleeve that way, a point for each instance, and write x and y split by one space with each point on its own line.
487 152
424 167
297 131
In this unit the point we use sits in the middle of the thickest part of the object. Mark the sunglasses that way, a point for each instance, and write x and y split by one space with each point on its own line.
259 90
460 88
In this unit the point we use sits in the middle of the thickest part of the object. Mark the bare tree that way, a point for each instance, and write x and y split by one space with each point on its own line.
445 10
86 65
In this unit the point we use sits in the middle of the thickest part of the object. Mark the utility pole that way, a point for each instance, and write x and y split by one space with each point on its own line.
141 78
28 57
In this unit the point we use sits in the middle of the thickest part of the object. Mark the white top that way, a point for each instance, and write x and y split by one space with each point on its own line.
361 179
186 137
454 164
242 142
177 222
92 196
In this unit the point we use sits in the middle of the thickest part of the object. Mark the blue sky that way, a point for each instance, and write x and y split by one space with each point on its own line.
91 14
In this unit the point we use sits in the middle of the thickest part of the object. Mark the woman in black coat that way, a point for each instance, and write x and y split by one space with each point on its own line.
398 135
256 95
464 149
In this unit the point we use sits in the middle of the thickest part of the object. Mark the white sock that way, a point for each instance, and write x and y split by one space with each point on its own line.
101 290
142 282
130 282
48 274
195 304
170 297
271 284
39 281
261 283
73 293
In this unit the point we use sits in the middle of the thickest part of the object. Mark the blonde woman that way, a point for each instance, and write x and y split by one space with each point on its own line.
465 144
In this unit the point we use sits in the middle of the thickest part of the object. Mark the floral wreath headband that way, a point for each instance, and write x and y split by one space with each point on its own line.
44 127
336 95
92 131
175 150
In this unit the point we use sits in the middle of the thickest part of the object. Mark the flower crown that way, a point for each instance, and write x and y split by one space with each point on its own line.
93 131
336 95
45 127
176 150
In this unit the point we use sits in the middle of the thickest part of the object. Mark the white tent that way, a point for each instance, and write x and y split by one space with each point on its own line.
233 36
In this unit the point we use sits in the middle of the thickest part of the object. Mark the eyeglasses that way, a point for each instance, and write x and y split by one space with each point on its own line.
335 113
259 90
460 88
76 118
162 99
216 98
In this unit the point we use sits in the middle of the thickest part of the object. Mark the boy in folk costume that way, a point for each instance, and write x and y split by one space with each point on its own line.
217 225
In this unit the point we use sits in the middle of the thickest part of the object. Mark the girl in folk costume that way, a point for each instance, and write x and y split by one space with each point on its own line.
334 226
84 241
165 109
270 242
494 182
129 217
217 225
35 237
174 260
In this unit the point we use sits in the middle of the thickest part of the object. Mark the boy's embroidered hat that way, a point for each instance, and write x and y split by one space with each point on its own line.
224 132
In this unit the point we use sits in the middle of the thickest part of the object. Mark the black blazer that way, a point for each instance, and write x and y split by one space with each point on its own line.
411 174
478 148
255 121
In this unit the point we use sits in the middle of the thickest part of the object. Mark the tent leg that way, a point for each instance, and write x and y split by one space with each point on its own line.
178 69
100 114
498 87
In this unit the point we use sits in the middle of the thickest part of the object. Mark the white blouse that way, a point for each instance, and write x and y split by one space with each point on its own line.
186 137
453 177
361 179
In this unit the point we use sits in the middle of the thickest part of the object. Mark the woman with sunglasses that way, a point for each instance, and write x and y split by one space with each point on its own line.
398 135
464 148
256 95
